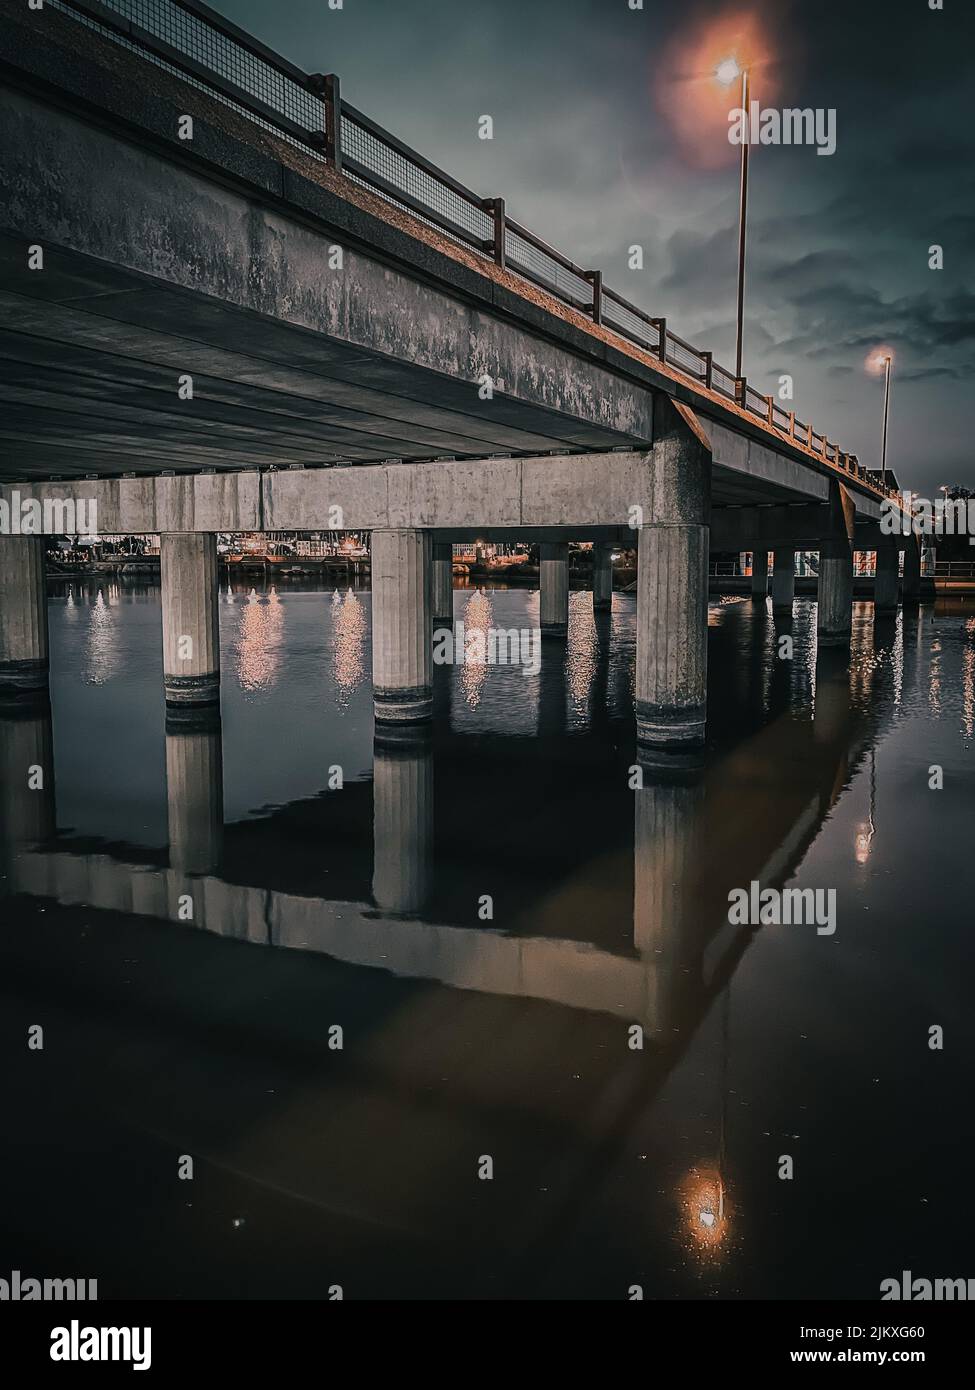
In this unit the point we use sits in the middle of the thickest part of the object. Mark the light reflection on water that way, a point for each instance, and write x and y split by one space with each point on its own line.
509 1034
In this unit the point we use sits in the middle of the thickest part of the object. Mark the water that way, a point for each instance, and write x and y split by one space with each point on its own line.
487 919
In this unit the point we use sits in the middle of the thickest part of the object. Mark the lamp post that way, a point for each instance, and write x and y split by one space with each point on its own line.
883 452
726 72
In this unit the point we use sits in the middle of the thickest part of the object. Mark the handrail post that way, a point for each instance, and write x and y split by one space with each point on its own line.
741 389
708 359
595 278
792 424
661 326
771 410
327 86
495 206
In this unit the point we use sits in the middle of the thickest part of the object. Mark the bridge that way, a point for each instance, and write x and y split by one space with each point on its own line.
232 302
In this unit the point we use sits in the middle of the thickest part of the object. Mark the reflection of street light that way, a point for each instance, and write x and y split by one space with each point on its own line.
726 72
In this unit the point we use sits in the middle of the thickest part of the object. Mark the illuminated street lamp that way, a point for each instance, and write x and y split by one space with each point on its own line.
726 72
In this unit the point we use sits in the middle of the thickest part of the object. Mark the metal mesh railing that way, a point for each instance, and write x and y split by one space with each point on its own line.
193 42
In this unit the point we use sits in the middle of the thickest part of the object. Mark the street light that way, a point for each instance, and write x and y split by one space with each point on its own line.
881 361
726 72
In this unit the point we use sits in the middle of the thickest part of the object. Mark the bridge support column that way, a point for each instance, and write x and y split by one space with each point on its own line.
602 577
191 624
23 617
885 584
194 787
783 580
402 827
912 569
443 584
760 574
402 631
835 617
672 587
553 603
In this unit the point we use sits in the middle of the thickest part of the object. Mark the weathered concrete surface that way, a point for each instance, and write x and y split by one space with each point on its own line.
886 583
783 579
834 621
672 589
190 621
759 572
602 576
553 579
402 629
23 616
443 582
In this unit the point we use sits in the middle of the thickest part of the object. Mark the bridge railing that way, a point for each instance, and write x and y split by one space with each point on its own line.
199 45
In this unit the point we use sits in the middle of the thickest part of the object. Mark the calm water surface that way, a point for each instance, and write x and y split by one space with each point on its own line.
334 885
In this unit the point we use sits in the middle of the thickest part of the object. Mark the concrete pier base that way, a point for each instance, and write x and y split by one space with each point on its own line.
553 574
194 787
672 591
783 581
402 630
760 574
886 582
23 618
912 570
402 827
443 584
602 577
191 625
835 619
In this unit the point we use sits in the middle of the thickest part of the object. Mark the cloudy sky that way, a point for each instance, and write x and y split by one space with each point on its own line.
609 131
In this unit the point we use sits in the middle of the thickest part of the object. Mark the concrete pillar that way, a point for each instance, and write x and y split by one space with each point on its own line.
402 827
886 584
672 587
553 573
27 809
443 584
23 616
194 786
602 577
402 630
912 569
191 625
783 580
835 614
760 574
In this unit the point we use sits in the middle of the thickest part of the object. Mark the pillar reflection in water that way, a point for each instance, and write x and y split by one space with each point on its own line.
27 807
666 860
402 825
194 785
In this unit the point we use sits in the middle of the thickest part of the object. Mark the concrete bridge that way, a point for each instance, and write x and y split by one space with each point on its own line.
231 301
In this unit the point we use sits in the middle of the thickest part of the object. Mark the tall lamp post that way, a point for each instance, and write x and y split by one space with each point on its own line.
882 360
726 72
883 452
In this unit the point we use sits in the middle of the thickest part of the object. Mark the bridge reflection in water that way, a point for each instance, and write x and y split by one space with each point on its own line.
510 1035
